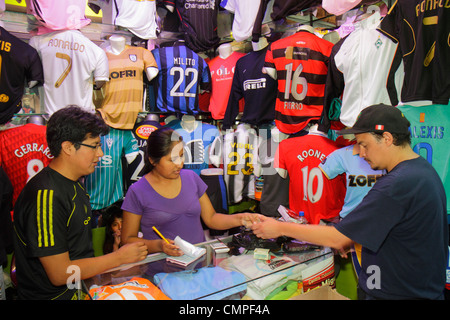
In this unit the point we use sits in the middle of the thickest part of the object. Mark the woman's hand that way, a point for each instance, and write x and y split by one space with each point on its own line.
170 248
268 228
248 219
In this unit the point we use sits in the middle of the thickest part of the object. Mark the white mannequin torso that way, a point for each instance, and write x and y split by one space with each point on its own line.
225 50
189 123
261 44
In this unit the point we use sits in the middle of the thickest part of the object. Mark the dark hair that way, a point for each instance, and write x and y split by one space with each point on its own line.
159 144
108 217
73 124
399 139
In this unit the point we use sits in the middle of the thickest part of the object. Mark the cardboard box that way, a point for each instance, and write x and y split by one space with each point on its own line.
324 292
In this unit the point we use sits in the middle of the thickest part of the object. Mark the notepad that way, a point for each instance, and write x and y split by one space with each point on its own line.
191 253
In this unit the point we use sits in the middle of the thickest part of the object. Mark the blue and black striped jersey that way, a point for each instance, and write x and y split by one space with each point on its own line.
182 73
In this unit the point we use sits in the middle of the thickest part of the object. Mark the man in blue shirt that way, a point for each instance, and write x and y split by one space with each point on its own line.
401 223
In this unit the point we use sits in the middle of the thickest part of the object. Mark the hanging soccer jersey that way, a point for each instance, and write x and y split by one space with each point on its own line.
141 132
139 17
182 73
360 176
105 184
238 152
124 93
19 63
197 144
429 138
309 190
198 22
222 71
283 8
244 17
23 153
258 89
422 29
364 70
72 62
301 64
55 15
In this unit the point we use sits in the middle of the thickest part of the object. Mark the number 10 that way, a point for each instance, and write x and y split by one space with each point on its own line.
308 180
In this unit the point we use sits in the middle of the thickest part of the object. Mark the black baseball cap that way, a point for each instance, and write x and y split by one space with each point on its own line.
379 118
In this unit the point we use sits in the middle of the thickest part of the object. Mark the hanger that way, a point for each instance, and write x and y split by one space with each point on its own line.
372 15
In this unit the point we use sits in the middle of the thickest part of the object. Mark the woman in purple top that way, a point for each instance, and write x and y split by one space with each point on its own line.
171 199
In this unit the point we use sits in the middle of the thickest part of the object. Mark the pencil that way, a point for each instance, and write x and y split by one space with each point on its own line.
159 234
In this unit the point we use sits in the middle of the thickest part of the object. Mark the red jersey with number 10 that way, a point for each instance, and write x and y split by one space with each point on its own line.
301 64
309 189
23 153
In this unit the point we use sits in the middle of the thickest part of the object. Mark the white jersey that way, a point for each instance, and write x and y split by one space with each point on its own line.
138 16
365 62
244 17
71 64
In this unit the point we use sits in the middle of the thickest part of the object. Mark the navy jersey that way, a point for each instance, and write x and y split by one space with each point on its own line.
258 89
181 75
283 8
19 62
422 30
198 22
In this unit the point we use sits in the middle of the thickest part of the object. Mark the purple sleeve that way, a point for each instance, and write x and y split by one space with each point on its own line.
201 186
131 203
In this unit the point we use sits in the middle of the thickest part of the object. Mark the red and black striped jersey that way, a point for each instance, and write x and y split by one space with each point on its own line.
301 64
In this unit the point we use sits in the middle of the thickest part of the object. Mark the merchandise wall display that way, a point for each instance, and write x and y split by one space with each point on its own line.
73 63
20 64
257 110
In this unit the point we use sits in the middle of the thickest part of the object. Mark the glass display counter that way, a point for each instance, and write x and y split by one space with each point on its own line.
219 275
